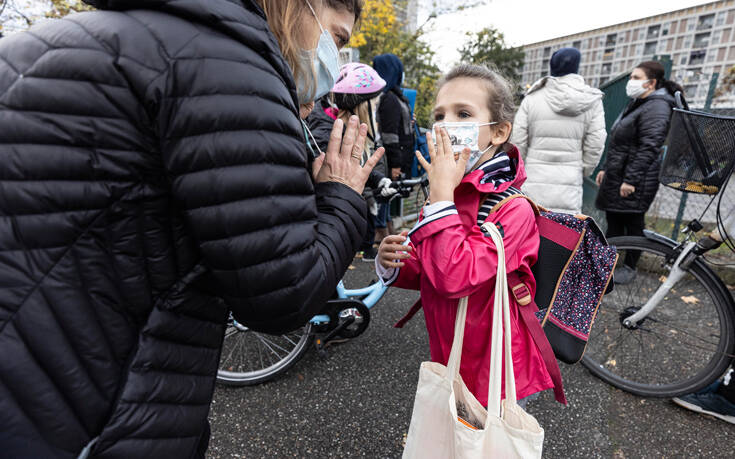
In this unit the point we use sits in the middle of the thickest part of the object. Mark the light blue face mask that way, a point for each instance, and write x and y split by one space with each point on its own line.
325 60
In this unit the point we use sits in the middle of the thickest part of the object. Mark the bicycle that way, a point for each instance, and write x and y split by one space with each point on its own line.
250 358
672 330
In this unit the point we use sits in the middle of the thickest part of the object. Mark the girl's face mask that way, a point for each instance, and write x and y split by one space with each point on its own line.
464 134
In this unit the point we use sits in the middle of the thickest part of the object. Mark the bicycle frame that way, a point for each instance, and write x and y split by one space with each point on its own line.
675 275
368 295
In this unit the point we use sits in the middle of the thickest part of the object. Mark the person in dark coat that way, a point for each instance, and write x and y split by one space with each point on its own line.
394 125
629 179
155 178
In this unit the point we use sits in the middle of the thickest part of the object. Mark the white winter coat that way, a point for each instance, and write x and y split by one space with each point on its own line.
560 131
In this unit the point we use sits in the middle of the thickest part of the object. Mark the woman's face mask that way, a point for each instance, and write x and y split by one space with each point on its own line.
325 60
464 134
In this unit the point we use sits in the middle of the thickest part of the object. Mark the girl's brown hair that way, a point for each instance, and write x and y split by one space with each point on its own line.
499 101
285 21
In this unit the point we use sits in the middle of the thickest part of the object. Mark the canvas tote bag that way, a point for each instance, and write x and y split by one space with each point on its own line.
448 421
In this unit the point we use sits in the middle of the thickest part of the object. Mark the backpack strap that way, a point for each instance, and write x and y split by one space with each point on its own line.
409 315
527 309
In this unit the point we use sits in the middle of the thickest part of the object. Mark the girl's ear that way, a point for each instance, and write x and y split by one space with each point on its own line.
501 133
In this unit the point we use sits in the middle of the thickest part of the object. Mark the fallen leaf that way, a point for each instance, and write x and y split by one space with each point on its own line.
351 267
662 279
300 377
611 363
690 299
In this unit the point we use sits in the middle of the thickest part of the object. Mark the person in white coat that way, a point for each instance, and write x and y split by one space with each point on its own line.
560 131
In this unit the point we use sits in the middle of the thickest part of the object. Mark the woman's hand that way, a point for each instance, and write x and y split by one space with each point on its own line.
626 190
342 160
445 172
392 250
599 178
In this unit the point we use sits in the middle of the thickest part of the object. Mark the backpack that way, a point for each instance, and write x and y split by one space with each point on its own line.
573 272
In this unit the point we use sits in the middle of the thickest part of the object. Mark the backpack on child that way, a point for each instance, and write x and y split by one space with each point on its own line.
573 272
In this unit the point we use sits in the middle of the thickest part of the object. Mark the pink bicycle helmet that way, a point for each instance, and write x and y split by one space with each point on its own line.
356 84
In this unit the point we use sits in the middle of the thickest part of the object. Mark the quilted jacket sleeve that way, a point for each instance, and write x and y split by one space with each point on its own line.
275 244
653 125
594 139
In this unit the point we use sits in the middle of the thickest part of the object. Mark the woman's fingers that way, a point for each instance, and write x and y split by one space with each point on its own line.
356 153
335 138
348 141
373 160
423 161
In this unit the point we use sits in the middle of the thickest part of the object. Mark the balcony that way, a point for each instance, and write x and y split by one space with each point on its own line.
653 32
706 22
701 40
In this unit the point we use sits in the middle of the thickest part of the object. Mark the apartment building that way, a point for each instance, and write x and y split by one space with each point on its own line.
700 41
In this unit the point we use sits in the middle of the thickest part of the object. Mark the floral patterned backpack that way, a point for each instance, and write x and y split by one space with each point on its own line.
573 272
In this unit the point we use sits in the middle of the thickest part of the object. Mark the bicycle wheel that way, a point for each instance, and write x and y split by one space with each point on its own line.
250 358
680 347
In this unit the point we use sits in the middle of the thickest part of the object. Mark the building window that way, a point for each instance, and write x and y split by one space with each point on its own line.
650 48
544 73
603 80
666 29
706 22
683 60
547 51
697 57
701 40
577 44
690 90
721 18
716 35
710 57
606 68
653 31
691 25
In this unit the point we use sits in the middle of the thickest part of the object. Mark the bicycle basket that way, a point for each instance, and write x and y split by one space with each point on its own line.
700 152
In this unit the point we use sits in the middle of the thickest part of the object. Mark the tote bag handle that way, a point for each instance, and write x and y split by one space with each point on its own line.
500 338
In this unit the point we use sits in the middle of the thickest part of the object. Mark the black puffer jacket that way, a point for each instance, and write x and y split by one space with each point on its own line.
634 153
396 132
153 175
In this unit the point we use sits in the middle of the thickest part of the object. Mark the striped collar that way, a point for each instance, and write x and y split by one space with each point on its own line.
498 169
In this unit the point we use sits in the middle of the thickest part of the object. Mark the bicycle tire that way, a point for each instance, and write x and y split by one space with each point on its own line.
700 327
259 374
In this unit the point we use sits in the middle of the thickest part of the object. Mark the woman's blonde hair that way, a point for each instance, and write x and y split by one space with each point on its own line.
285 19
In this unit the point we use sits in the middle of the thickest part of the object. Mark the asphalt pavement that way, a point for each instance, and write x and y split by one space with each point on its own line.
357 402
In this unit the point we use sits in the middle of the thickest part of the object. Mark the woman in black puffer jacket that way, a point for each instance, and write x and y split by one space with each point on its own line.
629 179
154 177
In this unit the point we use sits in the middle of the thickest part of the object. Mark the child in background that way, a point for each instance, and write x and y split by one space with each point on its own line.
449 256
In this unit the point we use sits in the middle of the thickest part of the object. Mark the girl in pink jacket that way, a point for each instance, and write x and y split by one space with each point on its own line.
449 256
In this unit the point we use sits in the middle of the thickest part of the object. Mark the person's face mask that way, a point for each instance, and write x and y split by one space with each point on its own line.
325 59
464 134
634 88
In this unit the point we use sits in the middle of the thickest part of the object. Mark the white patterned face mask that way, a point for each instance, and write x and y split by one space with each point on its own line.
464 134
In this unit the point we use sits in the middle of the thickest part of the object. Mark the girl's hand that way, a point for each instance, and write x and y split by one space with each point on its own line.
599 178
392 250
342 160
445 172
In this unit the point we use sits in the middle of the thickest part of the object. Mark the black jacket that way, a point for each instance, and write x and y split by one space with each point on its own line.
153 175
396 131
320 124
634 153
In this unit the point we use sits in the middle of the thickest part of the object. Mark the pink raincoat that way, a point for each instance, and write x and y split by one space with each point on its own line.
452 258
